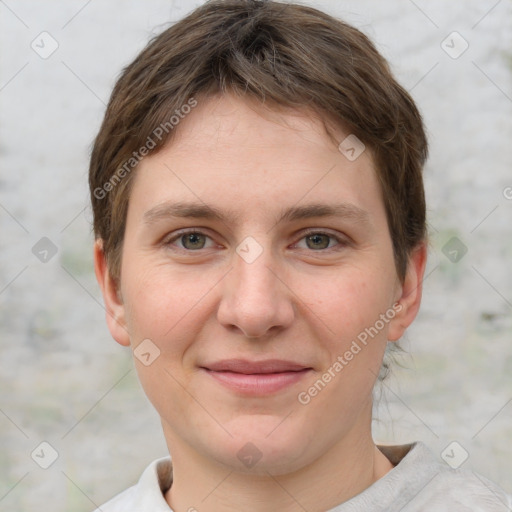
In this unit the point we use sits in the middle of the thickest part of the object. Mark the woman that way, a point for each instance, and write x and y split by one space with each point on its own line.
260 238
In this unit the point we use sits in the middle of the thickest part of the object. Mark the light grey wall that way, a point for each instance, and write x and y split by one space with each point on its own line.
64 381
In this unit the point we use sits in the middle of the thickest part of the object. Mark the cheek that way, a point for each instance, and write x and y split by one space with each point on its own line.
349 301
166 305
166 308
355 337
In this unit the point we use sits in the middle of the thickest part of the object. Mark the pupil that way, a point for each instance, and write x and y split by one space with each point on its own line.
193 239
317 240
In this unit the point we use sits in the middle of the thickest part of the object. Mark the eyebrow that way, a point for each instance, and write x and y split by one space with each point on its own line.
202 211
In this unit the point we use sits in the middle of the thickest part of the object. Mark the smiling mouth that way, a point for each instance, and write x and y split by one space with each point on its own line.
258 378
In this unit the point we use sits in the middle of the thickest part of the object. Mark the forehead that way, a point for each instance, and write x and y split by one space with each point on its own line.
241 124
230 152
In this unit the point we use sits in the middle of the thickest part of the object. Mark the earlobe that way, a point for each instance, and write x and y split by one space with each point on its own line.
115 309
409 297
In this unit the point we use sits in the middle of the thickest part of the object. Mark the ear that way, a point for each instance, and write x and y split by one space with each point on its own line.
115 310
409 293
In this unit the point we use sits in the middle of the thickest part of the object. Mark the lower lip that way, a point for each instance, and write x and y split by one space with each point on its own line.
258 383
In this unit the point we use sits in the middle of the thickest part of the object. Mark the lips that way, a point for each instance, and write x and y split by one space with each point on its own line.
256 378
252 367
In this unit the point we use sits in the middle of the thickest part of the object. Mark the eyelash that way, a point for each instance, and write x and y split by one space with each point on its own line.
340 242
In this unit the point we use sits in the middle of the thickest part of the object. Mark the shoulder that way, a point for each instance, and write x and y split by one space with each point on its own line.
461 489
147 494
121 502
426 483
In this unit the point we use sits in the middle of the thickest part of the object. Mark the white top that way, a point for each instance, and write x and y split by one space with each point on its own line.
419 482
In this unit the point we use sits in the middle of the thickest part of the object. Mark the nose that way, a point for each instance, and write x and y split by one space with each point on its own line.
255 297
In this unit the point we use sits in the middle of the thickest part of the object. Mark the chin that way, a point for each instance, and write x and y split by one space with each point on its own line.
260 446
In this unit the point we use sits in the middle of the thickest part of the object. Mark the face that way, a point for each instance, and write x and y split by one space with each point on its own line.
258 287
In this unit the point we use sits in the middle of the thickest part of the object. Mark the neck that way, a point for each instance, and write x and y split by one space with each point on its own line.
345 470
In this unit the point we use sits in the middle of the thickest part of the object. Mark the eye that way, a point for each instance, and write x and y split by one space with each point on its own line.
318 240
191 240
194 240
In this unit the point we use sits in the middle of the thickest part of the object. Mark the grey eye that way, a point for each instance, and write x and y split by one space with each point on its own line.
193 241
318 241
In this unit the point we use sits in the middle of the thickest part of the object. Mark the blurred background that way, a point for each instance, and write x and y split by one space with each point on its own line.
65 383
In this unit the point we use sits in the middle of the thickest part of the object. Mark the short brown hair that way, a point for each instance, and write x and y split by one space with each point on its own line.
285 54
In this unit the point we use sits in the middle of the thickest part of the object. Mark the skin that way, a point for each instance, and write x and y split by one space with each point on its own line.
301 300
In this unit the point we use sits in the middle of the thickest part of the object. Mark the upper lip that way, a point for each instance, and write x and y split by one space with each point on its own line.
248 367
